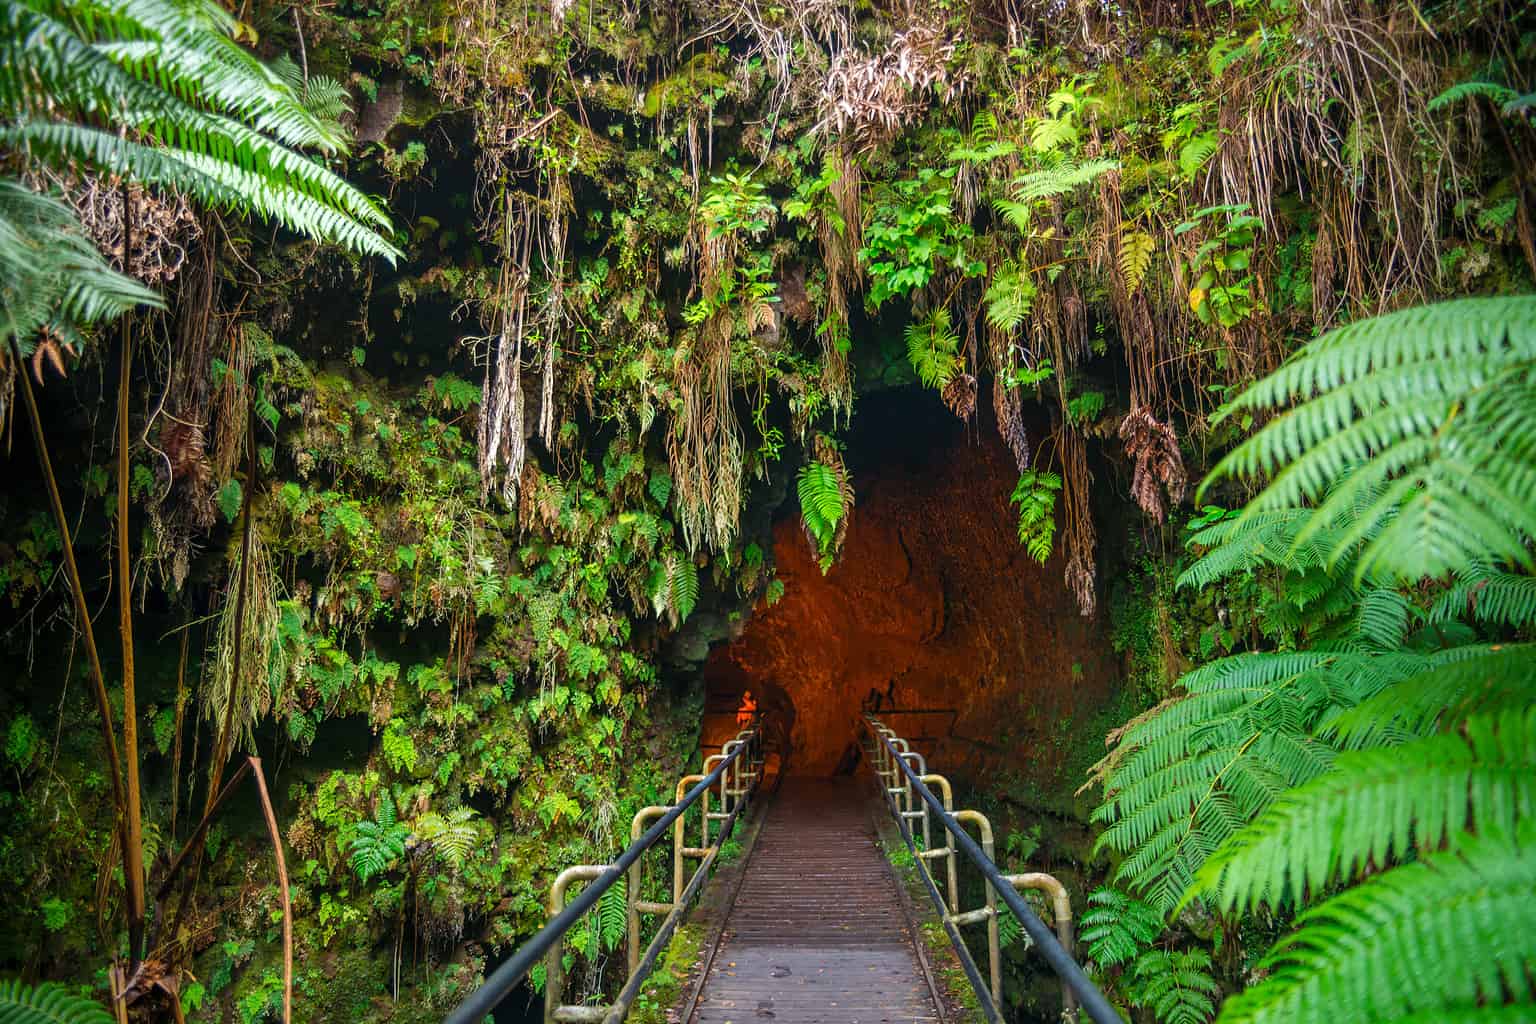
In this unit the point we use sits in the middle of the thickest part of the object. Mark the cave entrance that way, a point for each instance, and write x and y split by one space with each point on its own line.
934 613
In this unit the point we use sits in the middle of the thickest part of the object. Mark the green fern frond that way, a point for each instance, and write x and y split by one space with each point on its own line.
1373 806
51 274
1010 296
1384 618
1135 257
1188 776
1427 410
613 914
1117 928
1053 133
1197 152
1176 986
1060 179
161 92
1441 936
1451 685
825 500
452 836
1489 596
1498 94
1019 215
48 1003
933 348
682 587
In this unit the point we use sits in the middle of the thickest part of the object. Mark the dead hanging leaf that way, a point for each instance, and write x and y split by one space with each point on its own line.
960 395
1159 465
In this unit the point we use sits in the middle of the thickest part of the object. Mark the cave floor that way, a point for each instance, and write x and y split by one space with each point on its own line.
817 934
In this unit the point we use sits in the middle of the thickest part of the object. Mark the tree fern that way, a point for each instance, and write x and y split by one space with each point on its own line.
1117 928
1489 596
1429 411
158 90
51 276
1447 934
48 1004
1373 806
1176 986
1183 779
1449 686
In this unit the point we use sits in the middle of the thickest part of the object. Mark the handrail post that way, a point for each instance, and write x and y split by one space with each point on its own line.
554 966
636 880
680 834
1061 907
994 947
1050 944
949 844
709 763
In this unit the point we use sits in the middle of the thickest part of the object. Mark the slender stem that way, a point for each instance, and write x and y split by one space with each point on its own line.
181 716
82 612
133 853
223 740
195 841
282 885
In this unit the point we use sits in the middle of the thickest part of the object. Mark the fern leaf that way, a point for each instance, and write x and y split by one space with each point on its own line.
613 914
933 348
1373 806
1450 686
161 92
1136 248
683 587
1053 133
1489 596
1427 413
1019 215
1117 928
1497 94
1197 152
1177 987
48 1003
1186 777
1010 296
1440 936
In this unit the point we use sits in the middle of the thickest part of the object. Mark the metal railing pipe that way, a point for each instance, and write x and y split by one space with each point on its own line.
956 940
635 905
1061 907
987 913
548 939
1056 955
948 849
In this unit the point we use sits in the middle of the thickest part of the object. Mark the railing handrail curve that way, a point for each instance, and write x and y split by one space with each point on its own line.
511 973
1067 969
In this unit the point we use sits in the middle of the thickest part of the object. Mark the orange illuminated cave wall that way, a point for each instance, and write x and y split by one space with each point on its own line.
934 607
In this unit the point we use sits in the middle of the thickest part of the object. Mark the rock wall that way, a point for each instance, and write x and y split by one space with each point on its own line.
934 611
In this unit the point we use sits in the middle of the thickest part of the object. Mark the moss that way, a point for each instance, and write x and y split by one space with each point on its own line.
664 989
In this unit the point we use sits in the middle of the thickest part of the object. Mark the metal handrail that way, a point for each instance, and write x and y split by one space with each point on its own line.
890 764
736 772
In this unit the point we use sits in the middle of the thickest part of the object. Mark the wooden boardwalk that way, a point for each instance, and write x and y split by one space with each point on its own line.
818 933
